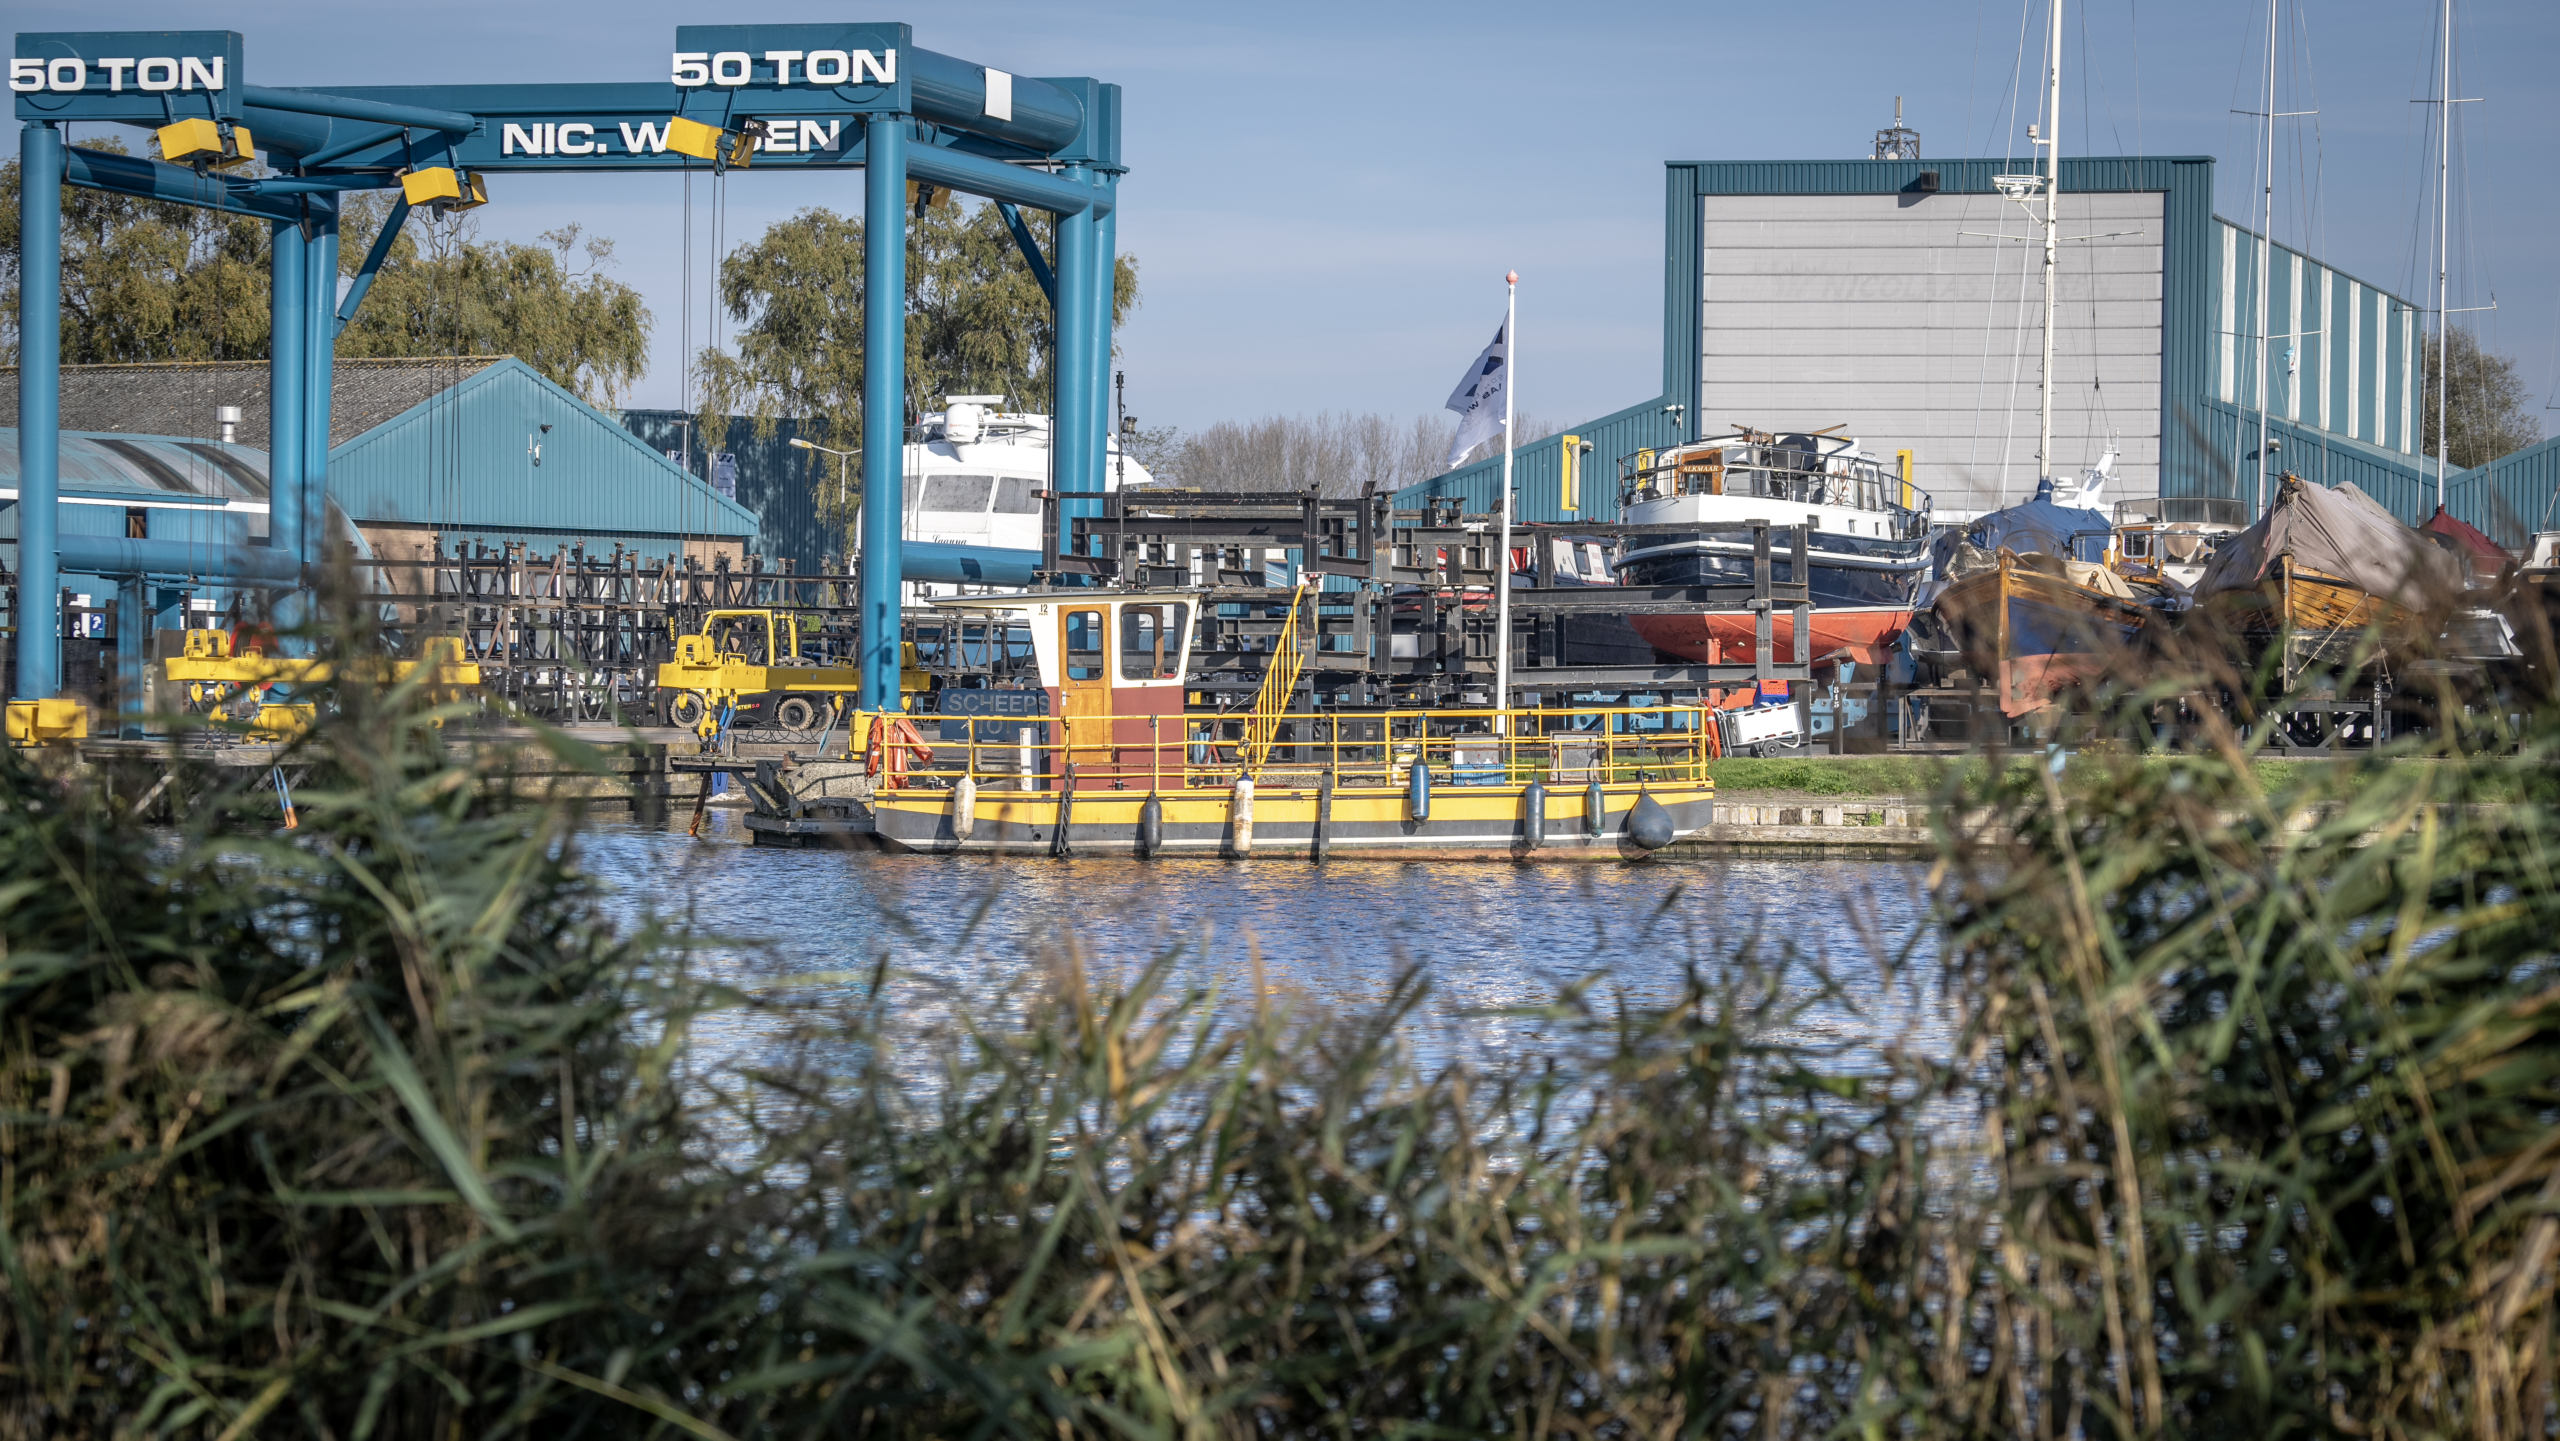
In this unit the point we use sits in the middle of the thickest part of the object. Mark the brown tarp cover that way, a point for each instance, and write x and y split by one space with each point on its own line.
2340 533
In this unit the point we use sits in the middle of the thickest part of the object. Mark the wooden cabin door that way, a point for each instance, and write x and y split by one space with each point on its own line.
1084 691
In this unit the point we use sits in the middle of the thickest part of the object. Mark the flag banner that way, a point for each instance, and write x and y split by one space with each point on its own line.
1478 398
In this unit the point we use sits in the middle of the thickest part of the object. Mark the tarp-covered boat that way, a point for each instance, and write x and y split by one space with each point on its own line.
2328 559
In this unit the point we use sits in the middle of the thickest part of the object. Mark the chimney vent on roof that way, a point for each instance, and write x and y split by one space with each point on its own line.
228 418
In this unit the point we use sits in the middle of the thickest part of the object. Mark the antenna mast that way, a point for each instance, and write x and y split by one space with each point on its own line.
2266 252
2444 244
2051 140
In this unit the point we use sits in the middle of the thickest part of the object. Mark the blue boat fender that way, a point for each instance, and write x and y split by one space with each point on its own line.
1595 810
1151 827
1417 790
1649 825
1533 815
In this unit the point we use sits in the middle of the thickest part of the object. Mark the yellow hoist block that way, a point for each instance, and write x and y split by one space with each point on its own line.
445 188
37 722
207 143
208 645
924 195
692 137
284 722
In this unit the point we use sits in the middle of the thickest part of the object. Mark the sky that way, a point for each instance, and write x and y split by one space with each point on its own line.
1323 197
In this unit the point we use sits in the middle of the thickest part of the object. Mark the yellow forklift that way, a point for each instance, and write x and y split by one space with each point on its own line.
747 663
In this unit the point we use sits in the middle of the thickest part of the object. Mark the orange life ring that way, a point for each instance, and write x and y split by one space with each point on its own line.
894 740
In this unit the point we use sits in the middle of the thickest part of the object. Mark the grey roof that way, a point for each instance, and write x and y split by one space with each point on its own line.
178 398
141 469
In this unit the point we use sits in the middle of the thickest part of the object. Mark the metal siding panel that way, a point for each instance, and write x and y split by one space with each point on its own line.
2510 497
460 461
1802 330
1681 318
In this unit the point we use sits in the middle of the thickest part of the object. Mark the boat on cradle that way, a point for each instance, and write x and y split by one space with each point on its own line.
2032 603
974 476
2323 567
1867 548
1089 749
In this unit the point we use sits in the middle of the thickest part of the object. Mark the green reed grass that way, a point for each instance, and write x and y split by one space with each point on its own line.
376 1128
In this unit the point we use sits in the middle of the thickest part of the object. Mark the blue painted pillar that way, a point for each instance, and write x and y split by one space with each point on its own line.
134 625
884 412
319 357
1071 437
288 256
39 409
1106 275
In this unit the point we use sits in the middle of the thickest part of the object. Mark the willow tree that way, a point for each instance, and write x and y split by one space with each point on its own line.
444 291
145 280
977 322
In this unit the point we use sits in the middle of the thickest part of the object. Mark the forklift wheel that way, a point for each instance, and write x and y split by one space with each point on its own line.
795 713
685 709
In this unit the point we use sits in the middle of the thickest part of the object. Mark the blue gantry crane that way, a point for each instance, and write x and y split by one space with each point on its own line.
768 97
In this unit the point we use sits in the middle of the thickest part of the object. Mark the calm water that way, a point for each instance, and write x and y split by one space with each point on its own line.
979 932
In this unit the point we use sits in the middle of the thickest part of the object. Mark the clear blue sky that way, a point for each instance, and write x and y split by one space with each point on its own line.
1323 197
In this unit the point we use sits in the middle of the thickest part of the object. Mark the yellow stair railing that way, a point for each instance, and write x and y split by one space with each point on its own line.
1279 680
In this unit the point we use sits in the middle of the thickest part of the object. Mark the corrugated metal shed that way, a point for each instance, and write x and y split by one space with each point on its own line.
2510 497
2343 415
1537 474
778 483
2397 482
190 491
506 454
2345 355
178 398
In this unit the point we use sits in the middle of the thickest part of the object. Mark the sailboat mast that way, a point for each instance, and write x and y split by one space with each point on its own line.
2266 256
2052 142
2444 241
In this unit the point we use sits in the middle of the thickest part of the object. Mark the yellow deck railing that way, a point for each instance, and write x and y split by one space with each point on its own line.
1301 749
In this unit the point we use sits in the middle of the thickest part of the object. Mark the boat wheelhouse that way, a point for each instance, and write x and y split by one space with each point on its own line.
1867 547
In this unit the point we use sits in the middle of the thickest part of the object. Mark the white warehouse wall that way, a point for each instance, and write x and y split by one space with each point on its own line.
1899 316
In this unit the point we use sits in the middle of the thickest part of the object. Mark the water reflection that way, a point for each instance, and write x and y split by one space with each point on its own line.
979 931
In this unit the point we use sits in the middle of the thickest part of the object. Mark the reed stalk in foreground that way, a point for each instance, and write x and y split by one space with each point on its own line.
376 1129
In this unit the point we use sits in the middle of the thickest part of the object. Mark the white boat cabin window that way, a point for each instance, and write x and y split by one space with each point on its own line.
1017 495
1151 641
2137 544
1084 645
965 494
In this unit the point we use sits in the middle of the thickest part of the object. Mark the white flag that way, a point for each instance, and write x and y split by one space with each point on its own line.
1478 398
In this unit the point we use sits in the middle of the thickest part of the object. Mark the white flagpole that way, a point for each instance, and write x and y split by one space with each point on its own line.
1502 558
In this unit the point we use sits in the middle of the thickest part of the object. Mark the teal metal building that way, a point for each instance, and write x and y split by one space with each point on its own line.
791 492
1902 299
507 456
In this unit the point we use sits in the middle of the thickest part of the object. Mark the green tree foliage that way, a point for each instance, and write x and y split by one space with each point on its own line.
143 280
147 281
444 291
2492 410
977 323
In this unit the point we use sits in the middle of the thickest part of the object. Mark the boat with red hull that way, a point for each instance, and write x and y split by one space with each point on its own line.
1867 547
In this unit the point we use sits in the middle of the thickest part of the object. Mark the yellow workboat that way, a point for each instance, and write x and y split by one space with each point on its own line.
1096 751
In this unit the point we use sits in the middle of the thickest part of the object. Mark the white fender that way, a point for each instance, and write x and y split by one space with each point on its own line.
964 807
1241 813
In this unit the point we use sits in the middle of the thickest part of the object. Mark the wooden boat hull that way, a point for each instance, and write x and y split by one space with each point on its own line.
1365 822
2037 635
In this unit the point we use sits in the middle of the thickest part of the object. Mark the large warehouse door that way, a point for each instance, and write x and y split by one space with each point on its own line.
1882 313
